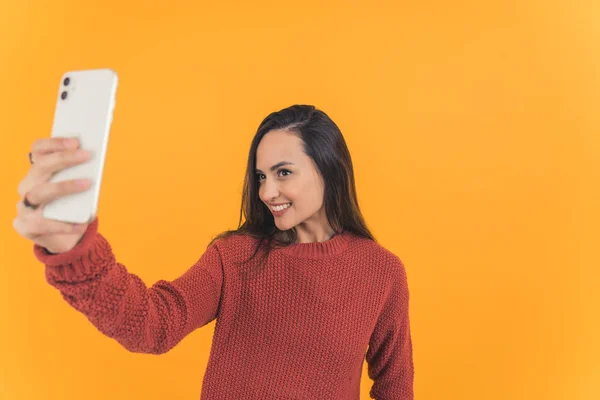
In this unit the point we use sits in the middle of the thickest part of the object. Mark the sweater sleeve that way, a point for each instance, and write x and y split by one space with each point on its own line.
143 320
389 357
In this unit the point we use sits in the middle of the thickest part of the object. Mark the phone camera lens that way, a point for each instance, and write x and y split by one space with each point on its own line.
66 81
63 95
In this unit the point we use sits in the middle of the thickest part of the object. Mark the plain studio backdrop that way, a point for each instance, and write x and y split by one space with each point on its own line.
473 127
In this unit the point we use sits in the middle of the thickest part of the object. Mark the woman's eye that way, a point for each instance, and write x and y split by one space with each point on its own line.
260 177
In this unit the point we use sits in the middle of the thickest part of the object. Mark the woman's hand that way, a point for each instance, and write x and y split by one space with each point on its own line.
49 156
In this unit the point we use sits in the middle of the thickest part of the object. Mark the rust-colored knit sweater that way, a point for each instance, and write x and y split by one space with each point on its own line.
294 327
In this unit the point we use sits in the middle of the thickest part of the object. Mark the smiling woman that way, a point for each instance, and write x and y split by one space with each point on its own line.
295 321
310 199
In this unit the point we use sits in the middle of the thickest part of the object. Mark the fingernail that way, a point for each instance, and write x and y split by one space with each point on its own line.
83 154
70 143
83 182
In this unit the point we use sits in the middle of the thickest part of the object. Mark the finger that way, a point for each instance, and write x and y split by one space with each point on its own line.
47 164
34 227
53 162
49 145
46 192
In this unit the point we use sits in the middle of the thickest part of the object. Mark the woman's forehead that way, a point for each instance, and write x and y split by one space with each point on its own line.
277 146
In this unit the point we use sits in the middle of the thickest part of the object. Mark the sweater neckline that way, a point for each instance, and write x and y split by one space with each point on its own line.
335 245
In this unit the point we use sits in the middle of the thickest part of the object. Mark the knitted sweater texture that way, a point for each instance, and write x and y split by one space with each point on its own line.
295 325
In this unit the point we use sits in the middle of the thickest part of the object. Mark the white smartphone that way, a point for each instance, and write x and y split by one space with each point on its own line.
84 109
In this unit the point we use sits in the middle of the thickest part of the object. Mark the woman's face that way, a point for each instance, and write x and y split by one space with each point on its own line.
287 175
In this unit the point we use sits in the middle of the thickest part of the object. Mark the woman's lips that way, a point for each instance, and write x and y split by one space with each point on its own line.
280 213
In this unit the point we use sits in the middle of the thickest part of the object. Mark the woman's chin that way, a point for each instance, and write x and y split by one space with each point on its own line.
283 226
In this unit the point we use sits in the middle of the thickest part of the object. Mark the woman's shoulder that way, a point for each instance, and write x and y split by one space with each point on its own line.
235 246
378 254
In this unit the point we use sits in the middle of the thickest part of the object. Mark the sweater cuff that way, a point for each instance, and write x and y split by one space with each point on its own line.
88 258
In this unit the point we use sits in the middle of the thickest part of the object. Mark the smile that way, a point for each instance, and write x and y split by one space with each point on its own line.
280 210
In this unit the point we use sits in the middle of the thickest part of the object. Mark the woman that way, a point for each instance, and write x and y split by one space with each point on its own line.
299 290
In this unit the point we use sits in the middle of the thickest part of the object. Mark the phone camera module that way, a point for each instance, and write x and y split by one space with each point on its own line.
67 81
63 95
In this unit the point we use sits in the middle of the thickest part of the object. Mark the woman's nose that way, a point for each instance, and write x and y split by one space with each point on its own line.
269 190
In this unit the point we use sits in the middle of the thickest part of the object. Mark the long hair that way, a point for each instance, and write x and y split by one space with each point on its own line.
323 142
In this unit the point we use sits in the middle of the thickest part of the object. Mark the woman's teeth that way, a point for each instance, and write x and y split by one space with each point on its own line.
280 208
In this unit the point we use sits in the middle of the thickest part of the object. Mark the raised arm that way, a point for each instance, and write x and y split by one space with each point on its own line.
143 320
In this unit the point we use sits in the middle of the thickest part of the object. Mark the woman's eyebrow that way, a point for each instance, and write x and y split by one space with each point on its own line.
279 164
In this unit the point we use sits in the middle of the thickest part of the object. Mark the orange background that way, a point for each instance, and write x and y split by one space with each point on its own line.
473 128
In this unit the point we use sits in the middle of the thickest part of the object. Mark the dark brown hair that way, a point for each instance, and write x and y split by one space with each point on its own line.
323 142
